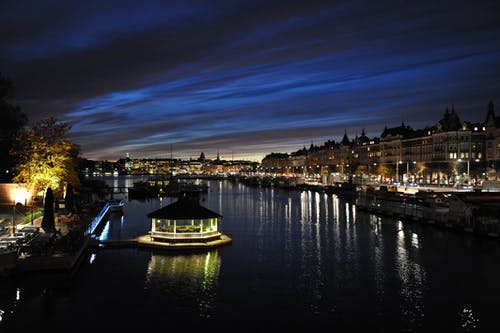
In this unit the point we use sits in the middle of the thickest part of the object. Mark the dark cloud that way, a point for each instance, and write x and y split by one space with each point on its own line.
246 76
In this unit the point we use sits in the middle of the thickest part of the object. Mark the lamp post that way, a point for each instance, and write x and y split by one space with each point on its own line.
13 227
413 173
407 171
31 209
476 167
468 166
397 172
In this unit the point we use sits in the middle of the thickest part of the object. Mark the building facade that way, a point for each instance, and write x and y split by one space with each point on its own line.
449 152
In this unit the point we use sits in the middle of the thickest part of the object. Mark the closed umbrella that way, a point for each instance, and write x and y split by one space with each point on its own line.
48 224
69 199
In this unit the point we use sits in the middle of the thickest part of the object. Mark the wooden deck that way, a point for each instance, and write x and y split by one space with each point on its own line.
145 241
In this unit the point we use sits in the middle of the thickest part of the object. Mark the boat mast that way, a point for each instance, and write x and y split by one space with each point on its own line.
171 173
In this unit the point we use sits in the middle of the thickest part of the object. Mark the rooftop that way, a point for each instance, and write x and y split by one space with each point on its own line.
186 207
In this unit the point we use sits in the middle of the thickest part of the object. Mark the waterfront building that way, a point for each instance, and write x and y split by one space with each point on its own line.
458 148
450 151
275 162
415 150
298 161
492 125
366 150
344 155
391 143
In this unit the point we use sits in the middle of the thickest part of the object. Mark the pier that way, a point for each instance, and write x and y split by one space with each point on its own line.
96 224
59 251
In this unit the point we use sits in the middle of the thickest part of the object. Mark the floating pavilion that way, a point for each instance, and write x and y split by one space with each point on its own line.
184 224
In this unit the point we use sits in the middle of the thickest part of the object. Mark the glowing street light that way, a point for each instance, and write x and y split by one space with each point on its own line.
397 170
468 166
18 194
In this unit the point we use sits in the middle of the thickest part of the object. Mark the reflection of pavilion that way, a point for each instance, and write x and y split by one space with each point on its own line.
196 274
185 222
200 267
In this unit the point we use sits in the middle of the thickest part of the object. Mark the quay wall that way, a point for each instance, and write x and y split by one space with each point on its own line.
457 213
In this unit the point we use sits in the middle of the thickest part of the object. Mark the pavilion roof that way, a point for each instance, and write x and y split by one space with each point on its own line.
184 208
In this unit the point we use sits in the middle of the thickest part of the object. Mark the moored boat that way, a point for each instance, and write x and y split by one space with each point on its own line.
427 206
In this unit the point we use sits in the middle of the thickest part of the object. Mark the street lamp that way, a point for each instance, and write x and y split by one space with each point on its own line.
13 227
468 166
397 171
18 194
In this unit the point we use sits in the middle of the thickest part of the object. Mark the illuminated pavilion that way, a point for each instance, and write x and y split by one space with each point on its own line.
185 221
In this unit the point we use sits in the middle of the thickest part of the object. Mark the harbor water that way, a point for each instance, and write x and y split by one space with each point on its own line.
298 260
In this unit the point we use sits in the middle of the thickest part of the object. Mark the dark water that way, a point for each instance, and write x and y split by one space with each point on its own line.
299 260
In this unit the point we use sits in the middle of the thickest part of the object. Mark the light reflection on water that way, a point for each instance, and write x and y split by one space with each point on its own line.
299 259
188 277
411 277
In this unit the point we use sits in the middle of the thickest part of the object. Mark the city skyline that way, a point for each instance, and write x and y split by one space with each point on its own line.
246 79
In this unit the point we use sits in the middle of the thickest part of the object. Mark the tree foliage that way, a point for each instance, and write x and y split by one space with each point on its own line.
361 169
384 170
47 158
13 120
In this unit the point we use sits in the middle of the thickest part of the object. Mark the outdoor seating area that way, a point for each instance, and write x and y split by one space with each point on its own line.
41 244
19 238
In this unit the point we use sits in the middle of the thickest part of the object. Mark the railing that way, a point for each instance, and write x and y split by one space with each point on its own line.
91 230
193 235
97 220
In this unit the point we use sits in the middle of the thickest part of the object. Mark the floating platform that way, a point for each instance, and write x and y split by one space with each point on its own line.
145 241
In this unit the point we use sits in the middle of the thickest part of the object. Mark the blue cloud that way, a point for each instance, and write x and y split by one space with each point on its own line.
252 77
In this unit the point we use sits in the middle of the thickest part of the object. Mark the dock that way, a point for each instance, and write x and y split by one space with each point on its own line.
145 241
60 251
56 262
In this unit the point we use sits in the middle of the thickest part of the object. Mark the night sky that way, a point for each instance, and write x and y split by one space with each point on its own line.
246 78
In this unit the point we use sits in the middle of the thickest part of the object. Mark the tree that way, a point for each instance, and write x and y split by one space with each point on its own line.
13 121
46 157
360 169
385 171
